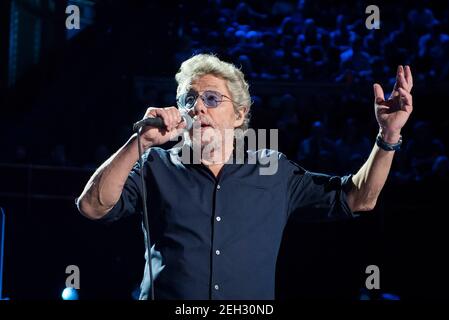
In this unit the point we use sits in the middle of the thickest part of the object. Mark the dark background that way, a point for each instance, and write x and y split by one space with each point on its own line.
69 98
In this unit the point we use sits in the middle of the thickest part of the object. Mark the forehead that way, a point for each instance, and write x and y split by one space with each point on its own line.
208 82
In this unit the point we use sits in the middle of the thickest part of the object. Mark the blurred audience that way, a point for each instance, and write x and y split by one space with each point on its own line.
422 151
353 147
318 152
300 47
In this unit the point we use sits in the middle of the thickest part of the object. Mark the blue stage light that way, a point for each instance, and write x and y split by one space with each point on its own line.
69 294
390 296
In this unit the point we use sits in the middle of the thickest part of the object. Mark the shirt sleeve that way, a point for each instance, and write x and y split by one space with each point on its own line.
317 197
130 201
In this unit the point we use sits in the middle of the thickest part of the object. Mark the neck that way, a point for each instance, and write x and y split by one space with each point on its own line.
215 168
217 158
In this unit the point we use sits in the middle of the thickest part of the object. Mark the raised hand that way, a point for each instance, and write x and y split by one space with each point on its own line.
393 113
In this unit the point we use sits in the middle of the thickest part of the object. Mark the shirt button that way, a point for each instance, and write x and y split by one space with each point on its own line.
218 187
218 219
217 252
216 287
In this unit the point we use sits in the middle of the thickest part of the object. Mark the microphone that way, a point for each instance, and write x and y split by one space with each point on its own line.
158 122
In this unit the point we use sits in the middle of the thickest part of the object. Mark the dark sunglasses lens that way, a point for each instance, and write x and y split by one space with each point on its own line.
211 98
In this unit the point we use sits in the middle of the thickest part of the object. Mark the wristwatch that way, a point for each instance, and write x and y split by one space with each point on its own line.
388 146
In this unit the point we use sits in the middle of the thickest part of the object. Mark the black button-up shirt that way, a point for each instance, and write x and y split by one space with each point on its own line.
219 237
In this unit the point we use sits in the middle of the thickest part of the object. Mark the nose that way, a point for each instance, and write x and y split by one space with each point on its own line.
199 107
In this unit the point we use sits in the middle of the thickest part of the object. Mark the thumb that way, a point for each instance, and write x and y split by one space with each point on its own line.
378 93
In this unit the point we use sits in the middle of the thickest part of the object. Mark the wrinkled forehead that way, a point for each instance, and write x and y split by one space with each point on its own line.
204 82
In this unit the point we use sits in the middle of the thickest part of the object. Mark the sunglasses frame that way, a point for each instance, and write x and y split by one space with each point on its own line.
197 95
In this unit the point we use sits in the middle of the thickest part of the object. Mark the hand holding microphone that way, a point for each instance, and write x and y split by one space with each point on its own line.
160 125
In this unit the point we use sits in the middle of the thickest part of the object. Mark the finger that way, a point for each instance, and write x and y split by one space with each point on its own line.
398 71
400 82
150 113
406 100
160 112
382 107
396 83
177 130
180 128
176 116
404 94
378 94
409 77
171 119
400 79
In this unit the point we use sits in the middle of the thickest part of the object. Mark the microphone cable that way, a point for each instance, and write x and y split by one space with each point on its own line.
145 213
138 127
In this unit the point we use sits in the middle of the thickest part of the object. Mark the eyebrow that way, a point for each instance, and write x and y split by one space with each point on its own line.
208 86
212 86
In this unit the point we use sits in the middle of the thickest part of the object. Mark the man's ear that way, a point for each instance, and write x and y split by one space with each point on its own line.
240 116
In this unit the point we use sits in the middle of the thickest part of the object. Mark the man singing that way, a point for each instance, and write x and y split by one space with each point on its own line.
216 226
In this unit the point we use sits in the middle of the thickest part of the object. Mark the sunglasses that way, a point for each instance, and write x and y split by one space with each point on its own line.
211 99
